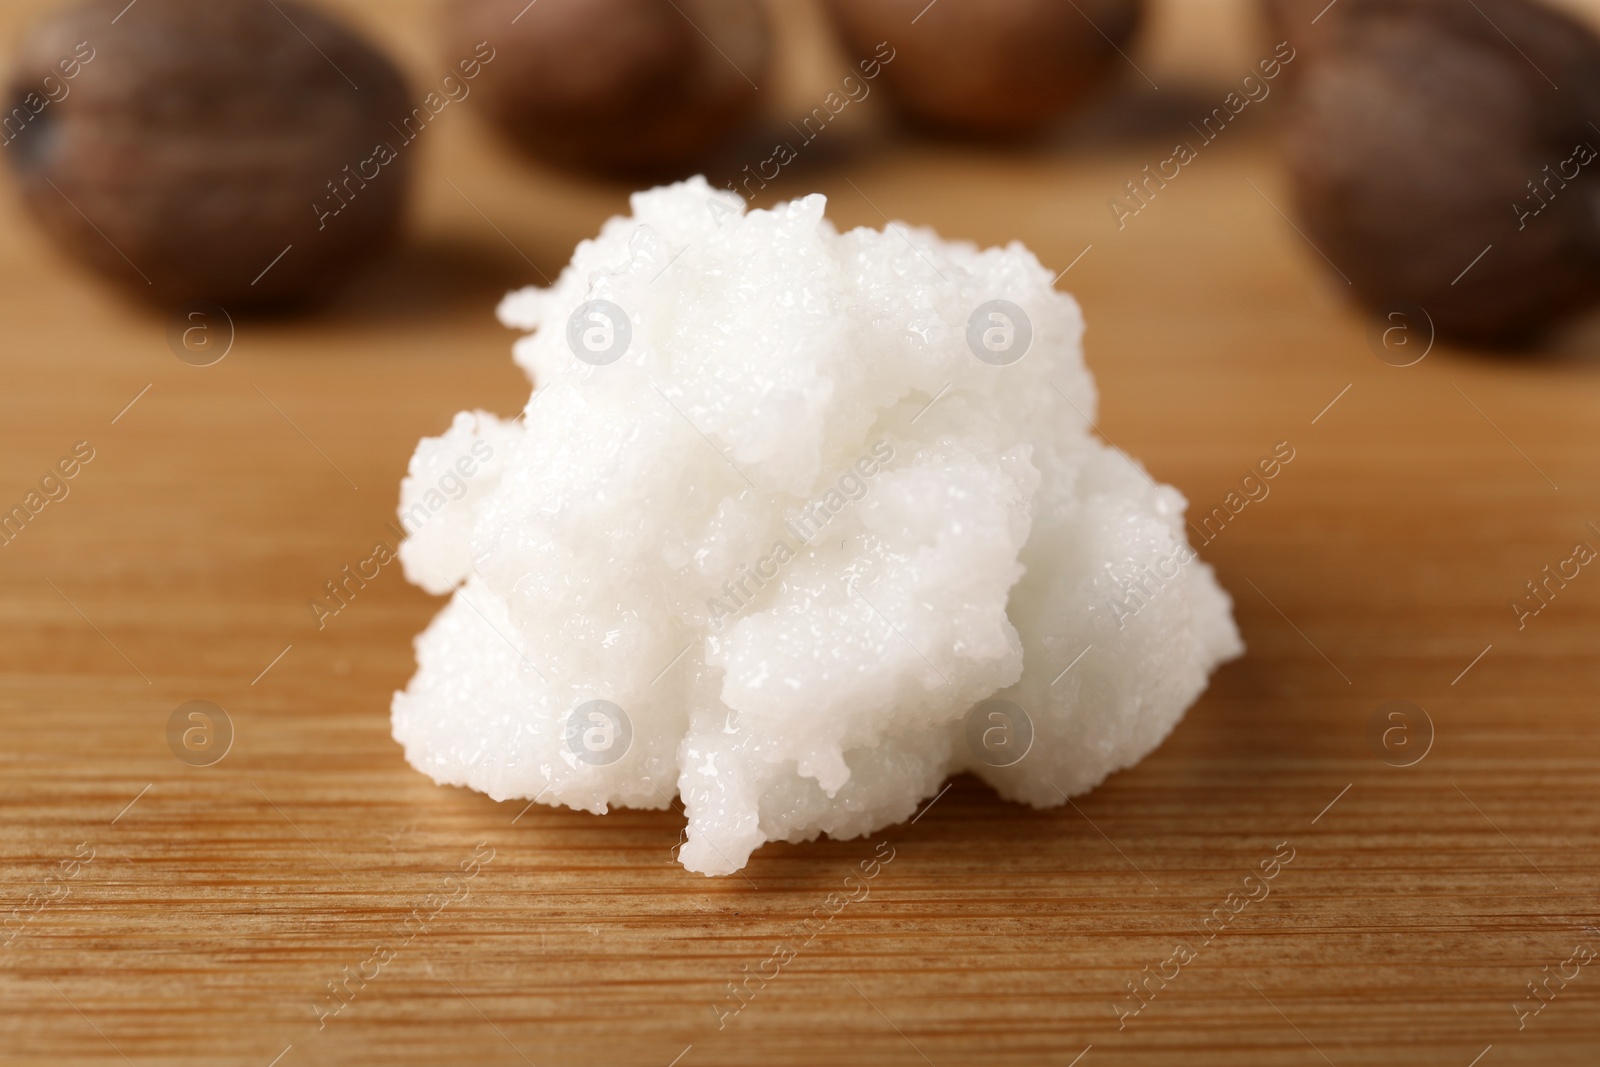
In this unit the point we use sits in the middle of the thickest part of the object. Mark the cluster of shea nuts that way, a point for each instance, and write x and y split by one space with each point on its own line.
255 152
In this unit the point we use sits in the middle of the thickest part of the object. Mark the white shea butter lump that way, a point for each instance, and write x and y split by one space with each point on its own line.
796 525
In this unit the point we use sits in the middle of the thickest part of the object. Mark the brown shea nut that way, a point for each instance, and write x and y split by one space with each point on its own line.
997 68
1434 161
640 87
182 149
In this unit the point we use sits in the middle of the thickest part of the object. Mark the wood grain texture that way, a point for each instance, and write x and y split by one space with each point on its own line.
219 905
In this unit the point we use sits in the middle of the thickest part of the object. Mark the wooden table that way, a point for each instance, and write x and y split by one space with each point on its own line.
221 901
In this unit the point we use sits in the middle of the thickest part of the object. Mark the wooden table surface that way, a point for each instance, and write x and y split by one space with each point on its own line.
211 907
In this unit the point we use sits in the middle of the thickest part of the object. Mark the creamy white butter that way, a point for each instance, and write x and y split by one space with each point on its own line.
795 525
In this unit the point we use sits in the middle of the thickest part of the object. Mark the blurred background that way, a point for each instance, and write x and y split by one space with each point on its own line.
207 139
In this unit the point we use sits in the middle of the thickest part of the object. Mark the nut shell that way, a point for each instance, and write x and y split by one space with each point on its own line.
190 150
1414 132
636 87
998 68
